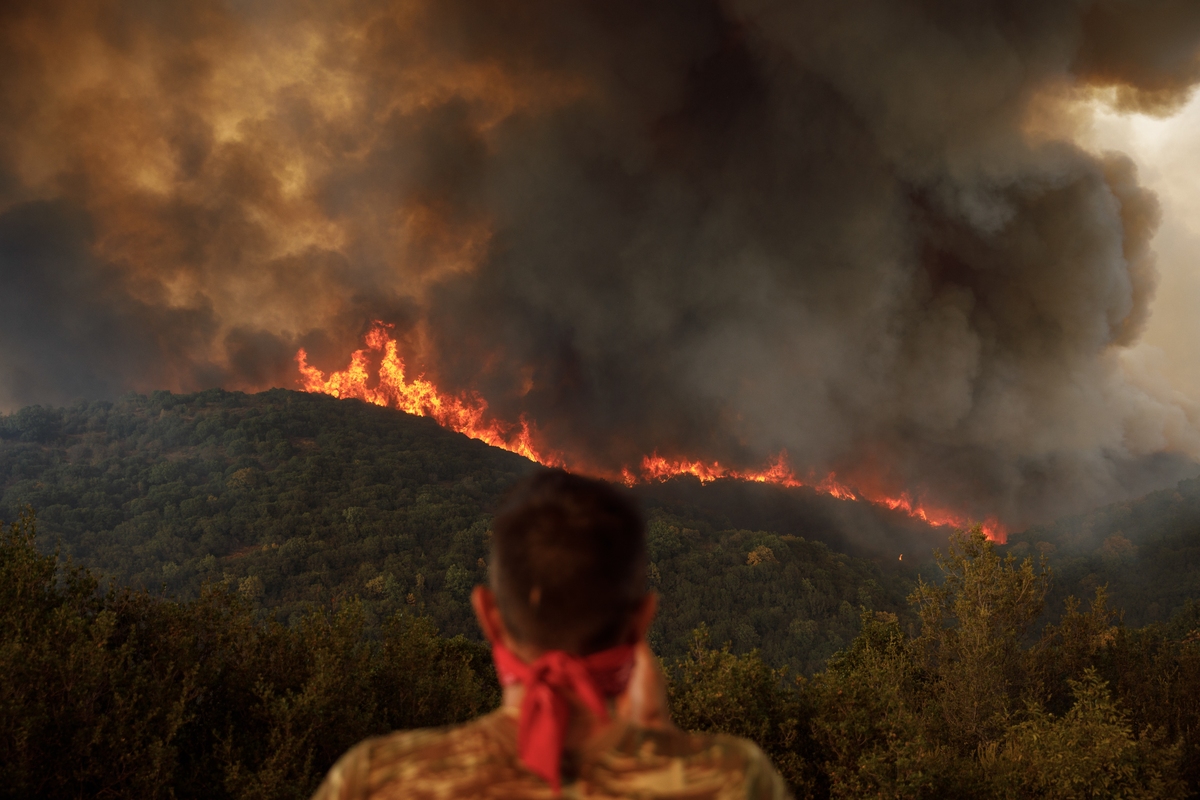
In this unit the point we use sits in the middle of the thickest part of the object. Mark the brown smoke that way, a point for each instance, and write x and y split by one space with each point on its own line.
848 229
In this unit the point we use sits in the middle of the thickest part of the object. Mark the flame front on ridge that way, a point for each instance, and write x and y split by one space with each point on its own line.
466 413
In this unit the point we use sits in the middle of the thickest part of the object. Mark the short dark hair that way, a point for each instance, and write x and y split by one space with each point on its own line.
568 562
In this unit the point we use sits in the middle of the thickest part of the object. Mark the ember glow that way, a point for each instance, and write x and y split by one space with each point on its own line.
655 467
467 413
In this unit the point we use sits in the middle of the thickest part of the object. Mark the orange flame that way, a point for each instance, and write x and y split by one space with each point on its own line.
466 413
655 467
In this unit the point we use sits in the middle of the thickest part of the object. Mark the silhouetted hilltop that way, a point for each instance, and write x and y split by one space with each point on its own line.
1146 551
300 500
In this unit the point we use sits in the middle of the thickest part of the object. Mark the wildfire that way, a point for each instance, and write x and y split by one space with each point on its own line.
655 467
466 413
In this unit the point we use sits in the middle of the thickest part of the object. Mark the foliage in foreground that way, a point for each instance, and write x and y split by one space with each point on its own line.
115 693
972 707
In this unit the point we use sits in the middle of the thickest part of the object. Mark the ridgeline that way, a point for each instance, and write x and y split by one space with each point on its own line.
254 583
298 501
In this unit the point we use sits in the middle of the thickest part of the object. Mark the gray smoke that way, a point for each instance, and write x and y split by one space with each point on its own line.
858 231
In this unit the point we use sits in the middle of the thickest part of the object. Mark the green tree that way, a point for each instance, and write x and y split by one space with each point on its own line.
117 693
716 691
872 720
973 625
1088 752
92 702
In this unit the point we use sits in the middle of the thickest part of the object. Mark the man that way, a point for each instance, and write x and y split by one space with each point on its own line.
584 711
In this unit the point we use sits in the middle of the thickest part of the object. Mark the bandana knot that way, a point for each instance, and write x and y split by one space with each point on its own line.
550 682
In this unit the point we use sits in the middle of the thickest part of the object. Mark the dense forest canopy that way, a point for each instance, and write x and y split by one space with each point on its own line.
298 500
1146 552
119 693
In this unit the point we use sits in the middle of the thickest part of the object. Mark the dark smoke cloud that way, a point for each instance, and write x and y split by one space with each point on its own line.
71 329
856 230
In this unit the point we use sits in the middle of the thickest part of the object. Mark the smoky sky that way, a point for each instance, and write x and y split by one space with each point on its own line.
857 231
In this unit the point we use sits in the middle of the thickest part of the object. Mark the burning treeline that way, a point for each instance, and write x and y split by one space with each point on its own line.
857 232
468 414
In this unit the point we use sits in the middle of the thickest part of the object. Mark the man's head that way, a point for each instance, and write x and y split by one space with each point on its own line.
568 565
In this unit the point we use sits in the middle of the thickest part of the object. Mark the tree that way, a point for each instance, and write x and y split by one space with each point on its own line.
973 626
716 691
110 692
1088 752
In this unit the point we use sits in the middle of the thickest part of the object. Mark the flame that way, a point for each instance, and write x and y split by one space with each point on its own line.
466 413
655 467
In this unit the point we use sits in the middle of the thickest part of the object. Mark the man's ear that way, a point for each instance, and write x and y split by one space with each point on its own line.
643 615
488 614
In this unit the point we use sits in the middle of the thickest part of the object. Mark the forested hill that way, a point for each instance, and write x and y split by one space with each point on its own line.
290 505
301 500
1145 551
297 497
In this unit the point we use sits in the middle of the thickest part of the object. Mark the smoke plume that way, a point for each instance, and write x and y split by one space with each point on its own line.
859 230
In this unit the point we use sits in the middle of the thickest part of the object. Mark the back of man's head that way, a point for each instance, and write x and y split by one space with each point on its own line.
568 562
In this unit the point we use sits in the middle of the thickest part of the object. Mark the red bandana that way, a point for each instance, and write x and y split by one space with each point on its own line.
546 710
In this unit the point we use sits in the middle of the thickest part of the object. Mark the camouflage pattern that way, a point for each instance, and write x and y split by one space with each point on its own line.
479 759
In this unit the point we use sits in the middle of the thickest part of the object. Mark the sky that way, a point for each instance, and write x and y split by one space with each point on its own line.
1167 152
927 246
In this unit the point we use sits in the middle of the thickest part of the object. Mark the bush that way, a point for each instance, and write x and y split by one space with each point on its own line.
116 693
973 706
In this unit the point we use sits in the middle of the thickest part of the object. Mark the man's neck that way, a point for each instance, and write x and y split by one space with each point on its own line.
584 729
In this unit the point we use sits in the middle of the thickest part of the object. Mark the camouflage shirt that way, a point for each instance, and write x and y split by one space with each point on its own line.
479 759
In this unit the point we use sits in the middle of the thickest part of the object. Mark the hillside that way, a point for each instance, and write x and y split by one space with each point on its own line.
301 500
861 529
262 519
1146 551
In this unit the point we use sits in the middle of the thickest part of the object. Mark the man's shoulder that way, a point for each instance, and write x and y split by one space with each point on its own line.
648 762
469 756
480 759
